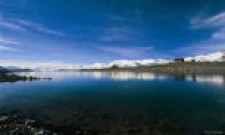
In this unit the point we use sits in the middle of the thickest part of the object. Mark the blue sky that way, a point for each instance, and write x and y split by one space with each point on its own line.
87 31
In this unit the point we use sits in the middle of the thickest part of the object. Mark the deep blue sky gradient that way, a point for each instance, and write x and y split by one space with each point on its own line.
86 31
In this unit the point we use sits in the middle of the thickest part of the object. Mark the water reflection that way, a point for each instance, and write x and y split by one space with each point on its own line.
131 76
96 75
124 76
54 75
82 99
214 79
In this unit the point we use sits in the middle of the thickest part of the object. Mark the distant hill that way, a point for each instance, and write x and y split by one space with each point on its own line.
186 67
13 69
2 69
126 64
212 57
16 66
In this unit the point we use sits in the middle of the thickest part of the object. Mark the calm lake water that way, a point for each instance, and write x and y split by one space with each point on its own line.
120 102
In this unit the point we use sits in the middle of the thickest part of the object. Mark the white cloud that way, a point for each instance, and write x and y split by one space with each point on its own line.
21 25
219 34
8 41
212 57
5 48
11 25
6 44
126 51
204 47
216 22
115 33
210 22
217 40
38 27
38 65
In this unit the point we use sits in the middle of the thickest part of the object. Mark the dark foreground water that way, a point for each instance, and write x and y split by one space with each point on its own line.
118 103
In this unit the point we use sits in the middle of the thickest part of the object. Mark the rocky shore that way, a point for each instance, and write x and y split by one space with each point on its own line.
12 124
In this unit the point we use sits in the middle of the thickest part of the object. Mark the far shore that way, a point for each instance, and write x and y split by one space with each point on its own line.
183 67
9 76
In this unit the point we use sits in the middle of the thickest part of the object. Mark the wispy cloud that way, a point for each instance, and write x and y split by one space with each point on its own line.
6 48
38 65
216 22
6 44
8 41
115 33
204 47
10 25
127 51
208 22
123 27
219 34
22 25
217 40
38 27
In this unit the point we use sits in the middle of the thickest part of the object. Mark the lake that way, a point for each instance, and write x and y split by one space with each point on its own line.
120 102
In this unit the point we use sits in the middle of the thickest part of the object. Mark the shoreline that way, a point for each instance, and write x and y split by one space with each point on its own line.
12 123
186 68
10 77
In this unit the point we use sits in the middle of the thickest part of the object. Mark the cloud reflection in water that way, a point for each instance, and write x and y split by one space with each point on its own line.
124 76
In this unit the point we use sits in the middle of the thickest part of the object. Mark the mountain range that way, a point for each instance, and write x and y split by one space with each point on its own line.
212 57
52 66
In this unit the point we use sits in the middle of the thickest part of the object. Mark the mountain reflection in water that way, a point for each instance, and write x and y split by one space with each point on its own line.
124 76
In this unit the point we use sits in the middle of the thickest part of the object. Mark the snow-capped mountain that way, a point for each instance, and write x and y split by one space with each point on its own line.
52 66
127 63
36 66
134 63
213 57
96 66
